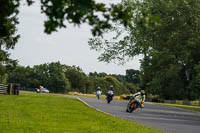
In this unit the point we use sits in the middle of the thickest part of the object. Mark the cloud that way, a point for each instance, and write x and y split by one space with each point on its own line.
69 46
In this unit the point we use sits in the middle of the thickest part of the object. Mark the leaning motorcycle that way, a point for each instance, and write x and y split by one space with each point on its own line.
133 104
110 95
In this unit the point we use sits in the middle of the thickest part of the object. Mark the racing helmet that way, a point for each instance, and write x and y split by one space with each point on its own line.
142 92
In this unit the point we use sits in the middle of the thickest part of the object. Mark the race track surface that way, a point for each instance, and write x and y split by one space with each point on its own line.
169 119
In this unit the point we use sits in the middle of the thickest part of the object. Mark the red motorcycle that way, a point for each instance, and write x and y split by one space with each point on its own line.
133 104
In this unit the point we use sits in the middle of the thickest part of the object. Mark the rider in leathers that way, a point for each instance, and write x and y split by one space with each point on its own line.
140 97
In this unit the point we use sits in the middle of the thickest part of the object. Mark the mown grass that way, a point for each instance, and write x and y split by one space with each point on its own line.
45 113
91 95
187 107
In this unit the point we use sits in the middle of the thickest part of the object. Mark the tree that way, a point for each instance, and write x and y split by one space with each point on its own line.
95 74
57 81
100 82
98 15
20 75
118 87
119 77
166 34
76 12
50 76
132 76
77 78
8 36
131 87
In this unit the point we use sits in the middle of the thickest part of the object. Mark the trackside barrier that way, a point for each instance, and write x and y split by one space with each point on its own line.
3 89
181 102
196 103
11 89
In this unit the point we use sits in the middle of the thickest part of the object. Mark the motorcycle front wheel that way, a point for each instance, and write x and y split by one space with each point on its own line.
109 99
131 107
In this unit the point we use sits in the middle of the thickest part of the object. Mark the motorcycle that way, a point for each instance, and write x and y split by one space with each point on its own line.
133 104
110 95
98 94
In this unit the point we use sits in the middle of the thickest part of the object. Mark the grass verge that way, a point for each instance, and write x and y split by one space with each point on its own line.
187 107
91 95
45 113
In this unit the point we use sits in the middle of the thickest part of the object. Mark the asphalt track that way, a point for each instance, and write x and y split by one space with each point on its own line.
169 119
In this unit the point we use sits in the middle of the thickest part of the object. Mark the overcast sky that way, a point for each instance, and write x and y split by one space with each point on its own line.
69 46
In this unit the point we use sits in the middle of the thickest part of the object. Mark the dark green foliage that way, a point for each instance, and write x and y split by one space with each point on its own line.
77 78
166 33
77 12
51 76
131 87
173 48
56 79
118 87
95 74
132 76
59 78
122 84
58 13
119 77
8 37
100 82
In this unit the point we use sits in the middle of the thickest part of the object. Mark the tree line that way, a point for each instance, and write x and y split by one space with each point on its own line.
60 78
165 32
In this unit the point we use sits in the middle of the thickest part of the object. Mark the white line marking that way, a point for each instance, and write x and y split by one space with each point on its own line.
96 108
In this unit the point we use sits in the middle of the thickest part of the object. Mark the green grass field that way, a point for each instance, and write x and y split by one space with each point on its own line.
46 113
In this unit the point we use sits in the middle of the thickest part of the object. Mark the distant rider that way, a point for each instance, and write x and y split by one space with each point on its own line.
110 94
140 97
110 91
98 92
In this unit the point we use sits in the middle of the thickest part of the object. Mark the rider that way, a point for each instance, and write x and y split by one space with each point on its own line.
98 88
110 91
98 91
140 97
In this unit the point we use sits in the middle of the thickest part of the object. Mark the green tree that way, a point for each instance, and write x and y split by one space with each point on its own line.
8 36
119 77
57 81
77 12
131 87
166 34
50 76
77 78
132 76
118 87
100 82
20 75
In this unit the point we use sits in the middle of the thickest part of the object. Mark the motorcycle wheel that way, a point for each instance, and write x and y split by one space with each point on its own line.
131 107
109 99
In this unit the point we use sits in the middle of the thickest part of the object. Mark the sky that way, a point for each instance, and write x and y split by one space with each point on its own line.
68 46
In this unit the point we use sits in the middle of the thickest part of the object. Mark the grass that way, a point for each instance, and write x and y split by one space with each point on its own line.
90 95
187 107
46 113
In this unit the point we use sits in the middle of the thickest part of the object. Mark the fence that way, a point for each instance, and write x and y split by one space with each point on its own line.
3 89
183 102
11 89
